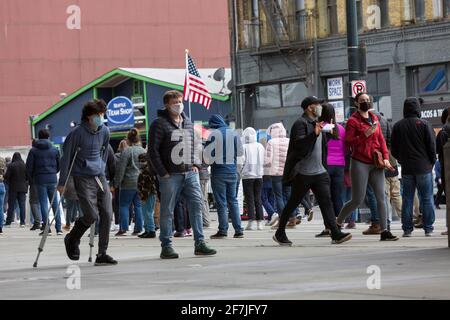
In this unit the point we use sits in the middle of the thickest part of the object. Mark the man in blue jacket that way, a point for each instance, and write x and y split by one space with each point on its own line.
91 140
42 167
222 149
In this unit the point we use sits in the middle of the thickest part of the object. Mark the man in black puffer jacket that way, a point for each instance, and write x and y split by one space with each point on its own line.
17 180
413 145
171 154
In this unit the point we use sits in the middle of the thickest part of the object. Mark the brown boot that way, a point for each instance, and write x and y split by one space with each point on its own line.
373 229
292 223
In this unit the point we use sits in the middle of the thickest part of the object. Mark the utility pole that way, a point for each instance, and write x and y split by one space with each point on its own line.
352 47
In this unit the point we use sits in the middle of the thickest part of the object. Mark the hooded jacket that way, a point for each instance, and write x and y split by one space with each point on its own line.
222 155
161 145
92 155
362 147
43 162
128 168
16 175
276 150
413 141
253 158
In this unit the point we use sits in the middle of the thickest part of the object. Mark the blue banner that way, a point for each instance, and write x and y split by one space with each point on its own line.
120 114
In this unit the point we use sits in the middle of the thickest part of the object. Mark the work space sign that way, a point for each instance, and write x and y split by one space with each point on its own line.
120 114
335 88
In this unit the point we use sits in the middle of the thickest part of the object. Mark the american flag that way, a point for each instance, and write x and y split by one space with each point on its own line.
195 89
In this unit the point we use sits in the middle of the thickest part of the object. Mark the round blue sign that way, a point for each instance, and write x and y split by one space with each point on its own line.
120 113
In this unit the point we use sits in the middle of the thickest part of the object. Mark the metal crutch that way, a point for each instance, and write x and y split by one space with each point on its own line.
47 226
91 241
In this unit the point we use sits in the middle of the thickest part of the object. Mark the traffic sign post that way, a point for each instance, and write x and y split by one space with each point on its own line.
358 86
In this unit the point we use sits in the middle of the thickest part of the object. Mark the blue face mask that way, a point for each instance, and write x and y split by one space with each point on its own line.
97 120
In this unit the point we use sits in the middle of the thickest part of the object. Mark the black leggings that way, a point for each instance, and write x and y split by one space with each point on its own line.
252 193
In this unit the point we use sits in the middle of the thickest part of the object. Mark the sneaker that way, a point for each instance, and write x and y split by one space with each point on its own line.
1 230
35 227
251 225
406 235
310 214
444 233
201 249
324 233
59 233
115 227
121 233
146 235
72 248
275 225
429 234
281 238
49 232
66 227
342 237
351 225
238 235
218 235
104 260
188 233
388 236
275 218
168 253
22 225
260 225
179 234
136 233
373 229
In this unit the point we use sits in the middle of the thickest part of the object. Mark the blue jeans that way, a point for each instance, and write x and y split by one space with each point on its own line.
267 197
337 186
46 192
224 190
73 210
424 185
127 197
287 190
277 187
171 188
148 212
2 198
371 201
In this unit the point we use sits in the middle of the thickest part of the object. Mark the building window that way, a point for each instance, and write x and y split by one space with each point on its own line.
447 8
268 96
378 86
438 9
359 15
384 12
332 17
293 93
432 79
419 10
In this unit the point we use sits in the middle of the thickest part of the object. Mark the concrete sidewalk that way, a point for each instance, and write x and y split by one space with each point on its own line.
251 268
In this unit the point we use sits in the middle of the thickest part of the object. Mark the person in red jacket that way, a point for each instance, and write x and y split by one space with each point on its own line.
363 136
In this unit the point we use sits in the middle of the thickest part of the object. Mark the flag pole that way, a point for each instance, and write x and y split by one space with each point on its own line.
187 83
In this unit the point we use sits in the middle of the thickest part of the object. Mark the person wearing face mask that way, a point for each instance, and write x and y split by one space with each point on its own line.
90 139
364 137
305 169
171 134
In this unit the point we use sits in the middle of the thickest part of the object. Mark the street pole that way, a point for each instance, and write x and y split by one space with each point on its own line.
447 183
352 47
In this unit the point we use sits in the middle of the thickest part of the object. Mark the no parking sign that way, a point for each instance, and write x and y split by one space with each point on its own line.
358 86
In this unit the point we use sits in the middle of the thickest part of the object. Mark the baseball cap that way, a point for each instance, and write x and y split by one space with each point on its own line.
309 101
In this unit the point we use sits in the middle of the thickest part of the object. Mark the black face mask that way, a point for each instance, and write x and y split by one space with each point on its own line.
364 106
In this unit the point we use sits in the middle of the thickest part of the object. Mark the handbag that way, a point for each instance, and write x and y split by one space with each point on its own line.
378 161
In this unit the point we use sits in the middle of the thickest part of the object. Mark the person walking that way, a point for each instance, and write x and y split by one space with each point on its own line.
369 158
17 180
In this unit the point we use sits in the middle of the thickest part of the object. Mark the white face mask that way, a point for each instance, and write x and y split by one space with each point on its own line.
318 111
177 108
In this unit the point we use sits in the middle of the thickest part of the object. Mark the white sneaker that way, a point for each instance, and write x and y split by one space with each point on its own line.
275 225
274 219
114 227
251 225
260 224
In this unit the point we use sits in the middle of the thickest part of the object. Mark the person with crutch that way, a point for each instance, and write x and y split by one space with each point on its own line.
91 139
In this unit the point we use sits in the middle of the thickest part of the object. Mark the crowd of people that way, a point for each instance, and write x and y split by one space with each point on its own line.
165 185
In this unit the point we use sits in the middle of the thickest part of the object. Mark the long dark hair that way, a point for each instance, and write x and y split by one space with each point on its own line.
329 116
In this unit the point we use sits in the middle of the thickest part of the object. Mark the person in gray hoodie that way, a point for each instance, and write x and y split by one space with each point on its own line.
90 141
127 178
252 178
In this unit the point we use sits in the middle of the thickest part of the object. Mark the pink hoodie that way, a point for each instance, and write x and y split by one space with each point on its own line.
276 150
336 149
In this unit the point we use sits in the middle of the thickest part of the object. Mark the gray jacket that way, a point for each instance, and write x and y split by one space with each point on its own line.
127 168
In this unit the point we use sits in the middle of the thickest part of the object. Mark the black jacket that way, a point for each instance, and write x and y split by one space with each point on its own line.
16 175
413 141
43 162
301 144
160 144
